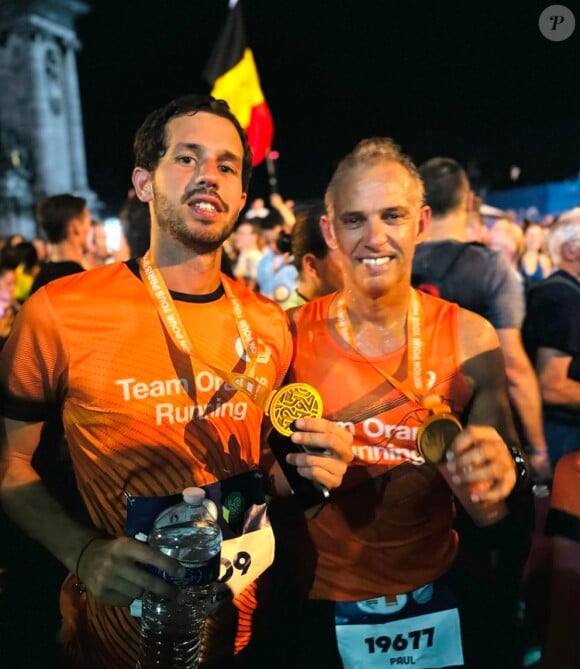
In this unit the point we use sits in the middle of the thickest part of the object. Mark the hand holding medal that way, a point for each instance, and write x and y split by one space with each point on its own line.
293 401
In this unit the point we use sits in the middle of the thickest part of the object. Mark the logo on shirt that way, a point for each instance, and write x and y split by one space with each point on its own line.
264 352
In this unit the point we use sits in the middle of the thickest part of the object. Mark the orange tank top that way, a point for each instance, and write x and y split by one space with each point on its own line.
388 529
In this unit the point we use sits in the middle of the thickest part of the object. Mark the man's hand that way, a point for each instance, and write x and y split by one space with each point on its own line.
479 459
329 450
113 571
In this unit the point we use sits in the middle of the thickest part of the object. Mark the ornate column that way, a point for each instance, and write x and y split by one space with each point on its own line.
75 120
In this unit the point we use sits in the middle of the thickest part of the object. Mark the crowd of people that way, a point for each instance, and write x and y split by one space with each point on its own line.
444 352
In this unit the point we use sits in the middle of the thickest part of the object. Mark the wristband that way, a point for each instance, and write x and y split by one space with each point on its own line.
78 587
520 463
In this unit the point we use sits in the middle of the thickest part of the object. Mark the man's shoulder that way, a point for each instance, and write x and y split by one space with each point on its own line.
51 271
555 286
86 280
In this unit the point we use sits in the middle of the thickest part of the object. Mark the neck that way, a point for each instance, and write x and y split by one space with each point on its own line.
451 226
307 291
184 271
66 251
378 324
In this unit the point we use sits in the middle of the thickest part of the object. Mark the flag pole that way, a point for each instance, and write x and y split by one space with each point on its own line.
271 156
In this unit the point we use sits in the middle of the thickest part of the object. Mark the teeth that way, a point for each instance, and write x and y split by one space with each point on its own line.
376 261
206 206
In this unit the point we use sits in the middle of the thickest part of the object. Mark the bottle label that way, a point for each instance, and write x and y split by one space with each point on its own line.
197 575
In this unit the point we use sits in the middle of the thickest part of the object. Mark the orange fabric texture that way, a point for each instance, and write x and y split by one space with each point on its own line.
566 485
138 416
388 529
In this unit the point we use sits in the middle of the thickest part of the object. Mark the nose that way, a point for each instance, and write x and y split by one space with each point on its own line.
207 173
376 231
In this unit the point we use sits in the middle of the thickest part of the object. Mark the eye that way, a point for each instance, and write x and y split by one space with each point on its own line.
186 159
394 217
227 169
353 220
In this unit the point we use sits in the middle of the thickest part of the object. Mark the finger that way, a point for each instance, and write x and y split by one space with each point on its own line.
322 476
137 551
334 441
327 471
470 436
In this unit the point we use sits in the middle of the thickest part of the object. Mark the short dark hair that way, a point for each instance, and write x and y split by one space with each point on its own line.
307 234
136 223
446 184
150 140
55 212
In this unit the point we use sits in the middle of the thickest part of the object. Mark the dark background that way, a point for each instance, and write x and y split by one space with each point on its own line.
474 81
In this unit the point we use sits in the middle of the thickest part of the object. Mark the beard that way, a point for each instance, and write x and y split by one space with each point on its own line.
206 238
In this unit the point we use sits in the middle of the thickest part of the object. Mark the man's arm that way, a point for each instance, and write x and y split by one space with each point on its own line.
481 456
555 385
109 566
524 392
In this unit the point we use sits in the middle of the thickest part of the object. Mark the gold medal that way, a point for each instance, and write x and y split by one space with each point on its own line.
296 400
436 435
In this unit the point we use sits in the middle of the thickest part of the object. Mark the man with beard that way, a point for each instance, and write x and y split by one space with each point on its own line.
128 354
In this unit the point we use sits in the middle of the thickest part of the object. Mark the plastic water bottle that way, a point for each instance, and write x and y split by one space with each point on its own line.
172 629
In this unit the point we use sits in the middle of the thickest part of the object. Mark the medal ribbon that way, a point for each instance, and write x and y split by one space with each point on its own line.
415 353
245 383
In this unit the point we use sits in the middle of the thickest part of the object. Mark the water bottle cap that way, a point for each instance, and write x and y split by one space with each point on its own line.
194 496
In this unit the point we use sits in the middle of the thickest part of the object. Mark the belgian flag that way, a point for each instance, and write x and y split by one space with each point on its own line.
232 73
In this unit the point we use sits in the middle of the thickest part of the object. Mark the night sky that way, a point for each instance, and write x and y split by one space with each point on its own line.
474 81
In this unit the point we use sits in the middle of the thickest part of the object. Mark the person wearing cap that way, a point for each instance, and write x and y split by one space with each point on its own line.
367 580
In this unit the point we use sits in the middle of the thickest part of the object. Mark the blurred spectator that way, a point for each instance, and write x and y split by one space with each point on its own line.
98 252
13 240
136 225
507 238
319 271
28 268
9 306
534 264
475 228
66 221
247 243
277 275
552 336
41 247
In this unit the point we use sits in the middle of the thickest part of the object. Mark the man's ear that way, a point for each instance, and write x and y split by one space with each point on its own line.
309 265
143 182
424 222
328 232
567 251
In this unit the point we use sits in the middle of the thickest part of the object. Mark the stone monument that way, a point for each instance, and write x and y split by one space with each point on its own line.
42 148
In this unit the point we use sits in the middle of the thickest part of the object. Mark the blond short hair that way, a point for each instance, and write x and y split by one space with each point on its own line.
369 152
565 229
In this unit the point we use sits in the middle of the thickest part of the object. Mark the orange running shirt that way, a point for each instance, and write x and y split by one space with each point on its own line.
388 529
138 418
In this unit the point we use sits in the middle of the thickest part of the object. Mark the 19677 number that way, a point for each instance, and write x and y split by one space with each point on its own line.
401 642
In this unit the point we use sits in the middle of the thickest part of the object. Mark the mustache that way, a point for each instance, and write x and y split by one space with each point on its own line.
204 191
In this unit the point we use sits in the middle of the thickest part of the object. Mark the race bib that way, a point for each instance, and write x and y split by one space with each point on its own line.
420 629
